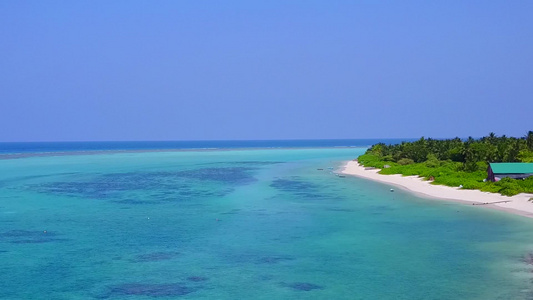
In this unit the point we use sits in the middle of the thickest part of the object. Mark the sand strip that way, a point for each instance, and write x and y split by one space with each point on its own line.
517 204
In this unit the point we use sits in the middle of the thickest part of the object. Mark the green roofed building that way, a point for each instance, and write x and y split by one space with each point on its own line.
498 171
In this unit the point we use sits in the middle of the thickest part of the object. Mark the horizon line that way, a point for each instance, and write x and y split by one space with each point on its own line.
220 140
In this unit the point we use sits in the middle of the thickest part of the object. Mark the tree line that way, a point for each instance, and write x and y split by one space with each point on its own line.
470 152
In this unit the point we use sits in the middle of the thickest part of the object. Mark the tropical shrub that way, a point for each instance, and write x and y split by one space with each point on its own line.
406 161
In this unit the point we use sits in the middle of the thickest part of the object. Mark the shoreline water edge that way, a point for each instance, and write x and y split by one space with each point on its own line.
518 204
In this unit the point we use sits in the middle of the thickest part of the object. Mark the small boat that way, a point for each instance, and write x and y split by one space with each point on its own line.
320 169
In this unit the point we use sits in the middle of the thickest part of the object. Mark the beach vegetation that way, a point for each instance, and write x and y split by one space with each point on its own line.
525 156
455 162
406 161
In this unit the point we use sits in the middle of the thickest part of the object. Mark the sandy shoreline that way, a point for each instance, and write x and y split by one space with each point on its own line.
517 204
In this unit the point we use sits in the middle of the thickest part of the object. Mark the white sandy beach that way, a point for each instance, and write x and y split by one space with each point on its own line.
517 204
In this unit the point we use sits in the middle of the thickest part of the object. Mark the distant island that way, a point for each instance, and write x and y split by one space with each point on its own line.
460 163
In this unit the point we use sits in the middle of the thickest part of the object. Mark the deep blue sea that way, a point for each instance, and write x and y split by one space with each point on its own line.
240 221
46 147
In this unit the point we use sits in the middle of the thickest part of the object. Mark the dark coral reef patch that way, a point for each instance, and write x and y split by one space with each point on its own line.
148 289
30 236
196 278
299 187
155 256
274 259
165 186
303 286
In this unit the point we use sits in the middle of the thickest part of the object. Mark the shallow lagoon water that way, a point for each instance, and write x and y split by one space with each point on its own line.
262 224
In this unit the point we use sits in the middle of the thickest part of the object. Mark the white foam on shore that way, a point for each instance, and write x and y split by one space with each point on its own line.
518 204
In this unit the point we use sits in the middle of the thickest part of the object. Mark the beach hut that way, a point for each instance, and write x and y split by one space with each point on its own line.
497 171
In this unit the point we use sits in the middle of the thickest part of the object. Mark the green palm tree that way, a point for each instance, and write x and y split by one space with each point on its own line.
529 140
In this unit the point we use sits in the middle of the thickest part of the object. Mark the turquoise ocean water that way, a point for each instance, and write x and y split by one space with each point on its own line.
244 224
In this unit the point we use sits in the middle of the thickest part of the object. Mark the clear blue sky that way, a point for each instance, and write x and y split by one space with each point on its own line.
196 70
